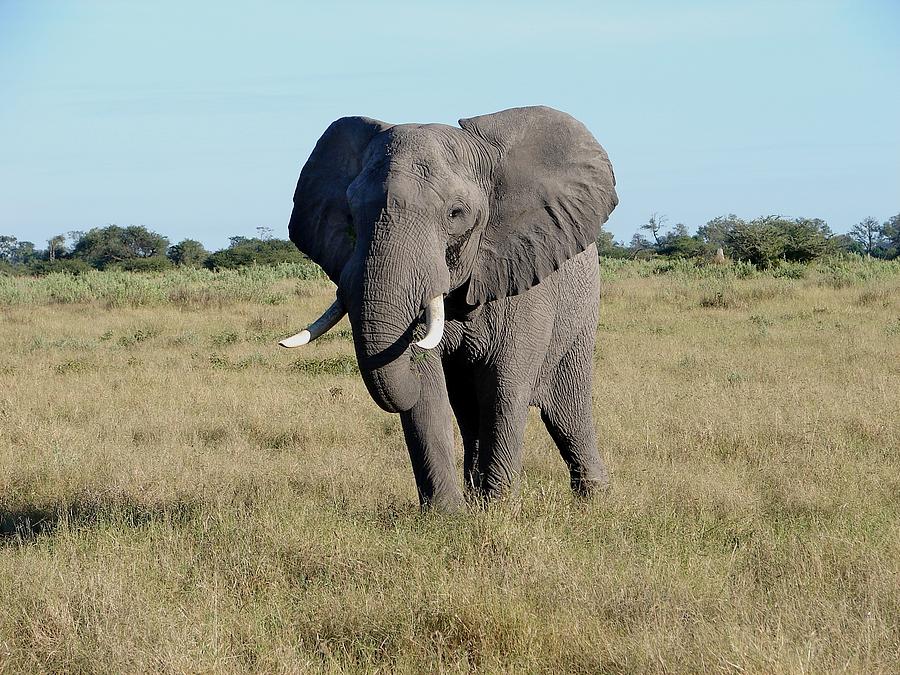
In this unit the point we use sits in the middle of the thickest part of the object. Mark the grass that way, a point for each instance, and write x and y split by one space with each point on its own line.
178 494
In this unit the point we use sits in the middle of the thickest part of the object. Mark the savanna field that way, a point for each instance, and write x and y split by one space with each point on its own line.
178 494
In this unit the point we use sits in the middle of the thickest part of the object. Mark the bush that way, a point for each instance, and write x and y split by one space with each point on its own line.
759 242
112 245
189 252
244 252
155 264
62 265
790 270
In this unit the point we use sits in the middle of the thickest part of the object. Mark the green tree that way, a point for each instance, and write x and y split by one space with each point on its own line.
41 266
868 234
640 246
607 248
715 232
23 253
157 263
112 245
844 243
680 244
758 241
8 245
804 239
680 230
890 229
188 252
15 254
56 247
244 251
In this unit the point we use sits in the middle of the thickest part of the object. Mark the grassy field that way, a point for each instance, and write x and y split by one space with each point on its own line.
179 495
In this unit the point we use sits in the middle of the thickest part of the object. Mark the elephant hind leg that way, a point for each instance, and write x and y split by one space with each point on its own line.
567 412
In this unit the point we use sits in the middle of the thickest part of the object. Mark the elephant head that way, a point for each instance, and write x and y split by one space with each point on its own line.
409 218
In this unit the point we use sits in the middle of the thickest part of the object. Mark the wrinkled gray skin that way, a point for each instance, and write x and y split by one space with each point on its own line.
500 217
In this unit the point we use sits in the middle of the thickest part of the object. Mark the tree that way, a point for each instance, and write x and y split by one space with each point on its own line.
844 243
655 225
23 253
715 232
891 231
56 247
607 248
103 247
41 266
758 241
868 234
244 251
680 230
7 246
188 252
680 244
638 244
74 236
804 239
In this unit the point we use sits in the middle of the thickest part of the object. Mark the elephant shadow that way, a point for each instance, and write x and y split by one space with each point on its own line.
25 523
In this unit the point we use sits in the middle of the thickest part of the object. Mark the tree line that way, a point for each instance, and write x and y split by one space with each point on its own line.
765 242
136 248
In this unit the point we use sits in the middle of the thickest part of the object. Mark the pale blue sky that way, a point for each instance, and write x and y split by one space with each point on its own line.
195 118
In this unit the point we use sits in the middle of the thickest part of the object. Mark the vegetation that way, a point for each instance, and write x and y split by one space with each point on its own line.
243 251
113 245
768 241
178 494
185 286
138 249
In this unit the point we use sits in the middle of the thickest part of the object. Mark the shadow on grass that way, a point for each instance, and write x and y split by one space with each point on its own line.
24 523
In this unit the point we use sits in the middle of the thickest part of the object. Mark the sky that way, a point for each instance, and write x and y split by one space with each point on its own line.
194 119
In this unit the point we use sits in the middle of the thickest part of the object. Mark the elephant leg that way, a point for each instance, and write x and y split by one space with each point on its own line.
428 430
500 440
568 415
461 388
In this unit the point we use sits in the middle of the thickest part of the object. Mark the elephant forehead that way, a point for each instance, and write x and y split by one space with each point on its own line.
428 150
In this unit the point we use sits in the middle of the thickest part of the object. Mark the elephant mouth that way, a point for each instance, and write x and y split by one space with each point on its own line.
434 328
387 374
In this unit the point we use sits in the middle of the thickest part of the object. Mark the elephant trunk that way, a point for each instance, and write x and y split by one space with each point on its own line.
383 351
383 311
394 277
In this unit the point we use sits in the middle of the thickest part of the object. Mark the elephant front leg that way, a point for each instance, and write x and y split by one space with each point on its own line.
463 398
428 429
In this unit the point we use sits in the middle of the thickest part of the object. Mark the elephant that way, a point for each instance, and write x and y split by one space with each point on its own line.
466 260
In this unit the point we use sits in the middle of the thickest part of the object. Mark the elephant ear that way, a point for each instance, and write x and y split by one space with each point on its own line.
321 225
553 187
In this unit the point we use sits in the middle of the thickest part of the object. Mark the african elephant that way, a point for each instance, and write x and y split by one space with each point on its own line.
487 232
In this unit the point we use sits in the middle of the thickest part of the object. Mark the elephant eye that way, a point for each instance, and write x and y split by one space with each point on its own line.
457 212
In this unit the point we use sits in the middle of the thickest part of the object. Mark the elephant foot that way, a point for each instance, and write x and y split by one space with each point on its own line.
451 503
587 486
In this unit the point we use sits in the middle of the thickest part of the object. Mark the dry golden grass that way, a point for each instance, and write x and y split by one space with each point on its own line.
179 495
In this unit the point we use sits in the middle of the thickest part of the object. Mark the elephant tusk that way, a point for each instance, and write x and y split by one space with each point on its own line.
434 322
319 327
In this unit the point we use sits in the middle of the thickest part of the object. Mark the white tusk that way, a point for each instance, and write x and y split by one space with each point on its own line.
434 321
319 327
